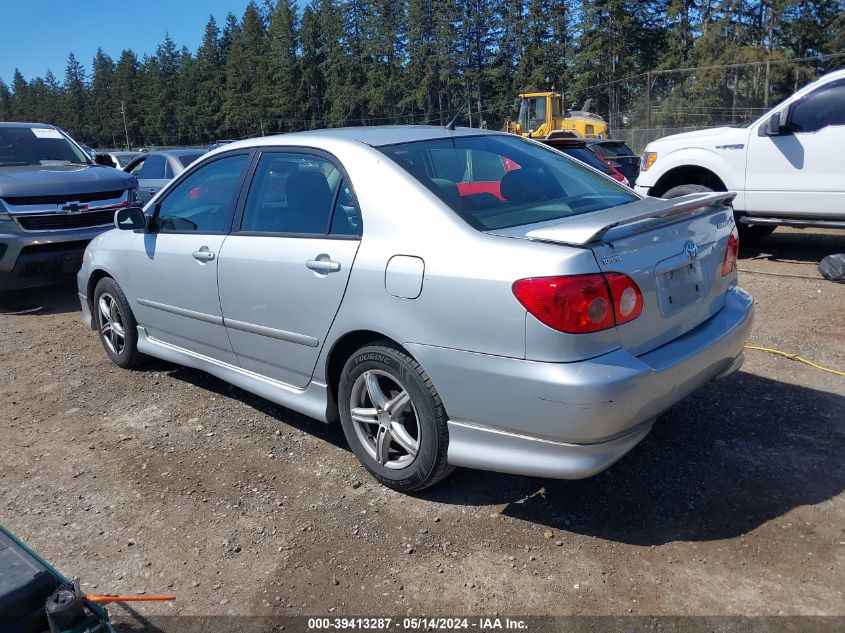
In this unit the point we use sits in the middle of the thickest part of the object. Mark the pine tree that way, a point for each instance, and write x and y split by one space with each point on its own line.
104 125
21 104
209 79
126 95
75 99
311 80
283 64
247 99
5 102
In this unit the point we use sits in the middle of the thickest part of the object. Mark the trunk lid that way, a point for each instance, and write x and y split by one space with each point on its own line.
672 249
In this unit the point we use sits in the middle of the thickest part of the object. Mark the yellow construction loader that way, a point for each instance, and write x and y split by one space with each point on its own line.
542 117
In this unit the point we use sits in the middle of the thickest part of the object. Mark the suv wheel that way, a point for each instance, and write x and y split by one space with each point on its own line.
116 324
393 418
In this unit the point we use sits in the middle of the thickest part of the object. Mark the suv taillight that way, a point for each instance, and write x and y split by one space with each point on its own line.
731 253
579 304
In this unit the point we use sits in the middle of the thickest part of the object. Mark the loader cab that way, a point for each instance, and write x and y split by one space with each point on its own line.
537 113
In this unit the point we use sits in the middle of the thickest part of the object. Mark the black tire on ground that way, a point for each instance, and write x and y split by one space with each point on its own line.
127 354
753 233
683 190
748 234
425 416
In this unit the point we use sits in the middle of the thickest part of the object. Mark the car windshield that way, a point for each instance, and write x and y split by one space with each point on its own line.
187 159
500 181
27 145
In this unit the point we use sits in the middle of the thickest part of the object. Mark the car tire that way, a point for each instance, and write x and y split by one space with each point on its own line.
116 324
683 190
753 233
748 234
393 418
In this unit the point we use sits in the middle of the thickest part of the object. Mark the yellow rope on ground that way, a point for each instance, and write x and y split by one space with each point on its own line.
796 357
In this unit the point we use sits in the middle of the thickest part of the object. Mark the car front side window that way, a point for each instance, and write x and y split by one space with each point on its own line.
819 109
203 201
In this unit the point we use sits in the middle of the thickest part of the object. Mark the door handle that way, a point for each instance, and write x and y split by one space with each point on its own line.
203 254
323 264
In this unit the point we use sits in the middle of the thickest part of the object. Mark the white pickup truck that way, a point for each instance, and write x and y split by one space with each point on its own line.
787 168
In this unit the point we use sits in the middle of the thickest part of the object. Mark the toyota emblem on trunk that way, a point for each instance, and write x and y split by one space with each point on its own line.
691 250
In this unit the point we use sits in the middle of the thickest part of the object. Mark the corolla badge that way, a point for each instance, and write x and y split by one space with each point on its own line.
691 250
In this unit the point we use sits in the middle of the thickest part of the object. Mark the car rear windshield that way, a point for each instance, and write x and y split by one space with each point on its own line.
187 159
611 149
25 145
499 181
586 157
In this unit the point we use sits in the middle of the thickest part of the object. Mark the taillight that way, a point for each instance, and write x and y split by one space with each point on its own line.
731 253
579 304
627 298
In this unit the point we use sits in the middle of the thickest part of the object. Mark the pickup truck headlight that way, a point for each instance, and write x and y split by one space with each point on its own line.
648 160
134 198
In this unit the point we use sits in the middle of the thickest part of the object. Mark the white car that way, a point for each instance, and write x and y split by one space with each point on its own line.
786 168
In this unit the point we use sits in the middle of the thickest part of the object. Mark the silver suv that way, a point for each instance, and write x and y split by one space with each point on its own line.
53 200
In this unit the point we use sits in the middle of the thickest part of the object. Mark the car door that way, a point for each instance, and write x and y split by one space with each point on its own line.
174 266
800 171
283 270
152 177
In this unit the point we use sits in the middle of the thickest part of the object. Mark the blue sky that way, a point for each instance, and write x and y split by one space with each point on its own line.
37 35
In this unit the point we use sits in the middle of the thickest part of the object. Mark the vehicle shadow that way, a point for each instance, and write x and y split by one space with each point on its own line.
331 433
59 298
806 245
734 455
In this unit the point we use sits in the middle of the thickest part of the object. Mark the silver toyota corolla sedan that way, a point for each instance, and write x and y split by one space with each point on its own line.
453 298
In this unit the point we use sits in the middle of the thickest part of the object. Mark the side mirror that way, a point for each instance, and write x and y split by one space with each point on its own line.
777 123
104 160
130 219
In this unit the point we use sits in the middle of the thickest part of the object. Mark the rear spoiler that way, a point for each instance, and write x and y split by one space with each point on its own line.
592 227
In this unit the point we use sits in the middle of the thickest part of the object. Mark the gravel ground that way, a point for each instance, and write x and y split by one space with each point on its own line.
166 480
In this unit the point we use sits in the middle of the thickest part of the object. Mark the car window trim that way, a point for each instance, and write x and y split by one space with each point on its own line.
248 152
308 151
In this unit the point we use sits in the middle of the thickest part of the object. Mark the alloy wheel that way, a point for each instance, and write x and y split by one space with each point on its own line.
385 419
111 324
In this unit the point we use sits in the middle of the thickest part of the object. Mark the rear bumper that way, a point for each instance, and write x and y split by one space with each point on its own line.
39 258
572 420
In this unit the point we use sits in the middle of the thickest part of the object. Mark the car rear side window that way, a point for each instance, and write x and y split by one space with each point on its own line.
203 201
533 184
298 194
154 167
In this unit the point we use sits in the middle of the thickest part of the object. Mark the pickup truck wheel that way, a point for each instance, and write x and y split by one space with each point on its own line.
116 324
753 233
749 234
683 190
393 418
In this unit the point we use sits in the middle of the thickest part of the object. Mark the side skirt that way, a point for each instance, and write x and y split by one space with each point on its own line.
311 401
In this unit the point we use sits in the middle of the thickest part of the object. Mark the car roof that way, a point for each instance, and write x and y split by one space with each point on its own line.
176 152
25 124
374 135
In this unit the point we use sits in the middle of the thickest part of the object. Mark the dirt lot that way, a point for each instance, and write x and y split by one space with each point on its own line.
168 480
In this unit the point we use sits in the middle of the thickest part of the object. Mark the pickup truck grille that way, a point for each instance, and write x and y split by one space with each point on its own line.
54 221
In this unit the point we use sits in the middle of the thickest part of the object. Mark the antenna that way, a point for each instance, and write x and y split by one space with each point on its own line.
451 124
